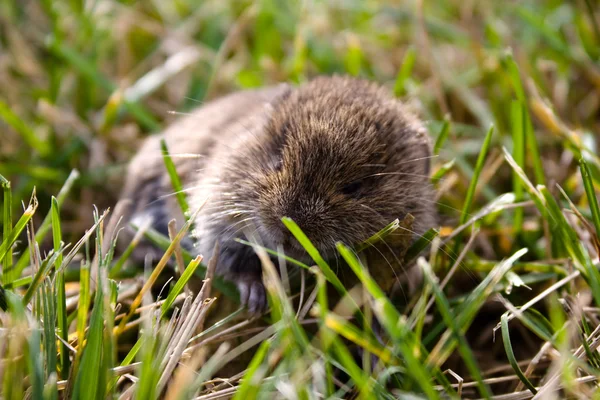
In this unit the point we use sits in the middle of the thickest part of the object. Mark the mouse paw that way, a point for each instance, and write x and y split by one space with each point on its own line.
252 294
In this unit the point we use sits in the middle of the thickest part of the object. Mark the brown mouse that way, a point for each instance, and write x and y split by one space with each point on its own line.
340 156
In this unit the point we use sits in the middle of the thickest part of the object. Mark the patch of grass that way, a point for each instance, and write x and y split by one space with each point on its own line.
83 84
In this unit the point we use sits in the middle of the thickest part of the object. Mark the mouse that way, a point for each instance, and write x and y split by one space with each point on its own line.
341 156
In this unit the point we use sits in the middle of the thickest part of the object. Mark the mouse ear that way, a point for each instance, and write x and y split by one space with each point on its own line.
421 145
426 151
284 90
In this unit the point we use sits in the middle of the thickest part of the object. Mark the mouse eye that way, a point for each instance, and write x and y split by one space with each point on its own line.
352 188
277 164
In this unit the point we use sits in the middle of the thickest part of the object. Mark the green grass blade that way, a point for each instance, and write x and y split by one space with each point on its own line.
28 135
518 120
478 168
49 310
325 333
62 327
180 284
511 355
405 71
442 171
511 67
442 137
590 192
87 381
40 275
569 239
9 241
420 244
535 195
314 253
359 377
84 304
379 236
175 181
349 331
275 253
250 384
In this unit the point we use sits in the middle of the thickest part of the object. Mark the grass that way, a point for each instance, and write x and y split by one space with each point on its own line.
509 304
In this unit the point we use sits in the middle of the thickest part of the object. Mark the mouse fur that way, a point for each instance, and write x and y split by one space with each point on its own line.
341 156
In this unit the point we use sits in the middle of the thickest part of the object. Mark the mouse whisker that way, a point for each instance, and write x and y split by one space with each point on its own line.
417 159
397 173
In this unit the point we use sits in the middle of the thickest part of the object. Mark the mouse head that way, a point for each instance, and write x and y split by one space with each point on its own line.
340 157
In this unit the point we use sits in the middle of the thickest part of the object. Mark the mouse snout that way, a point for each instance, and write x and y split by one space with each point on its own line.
306 213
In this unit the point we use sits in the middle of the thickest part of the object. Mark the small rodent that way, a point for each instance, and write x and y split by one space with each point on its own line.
340 156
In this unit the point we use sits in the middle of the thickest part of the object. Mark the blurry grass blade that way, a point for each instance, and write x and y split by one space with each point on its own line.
478 168
56 230
550 34
3 305
511 355
534 152
111 111
354 56
9 241
450 321
590 192
359 377
87 69
518 120
28 135
350 332
180 284
253 376
175 181
443 135
46 223
442 171
568 237
326 335
511 67
405 71
35 363
6 263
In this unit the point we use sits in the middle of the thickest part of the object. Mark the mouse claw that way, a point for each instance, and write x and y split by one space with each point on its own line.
253 295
